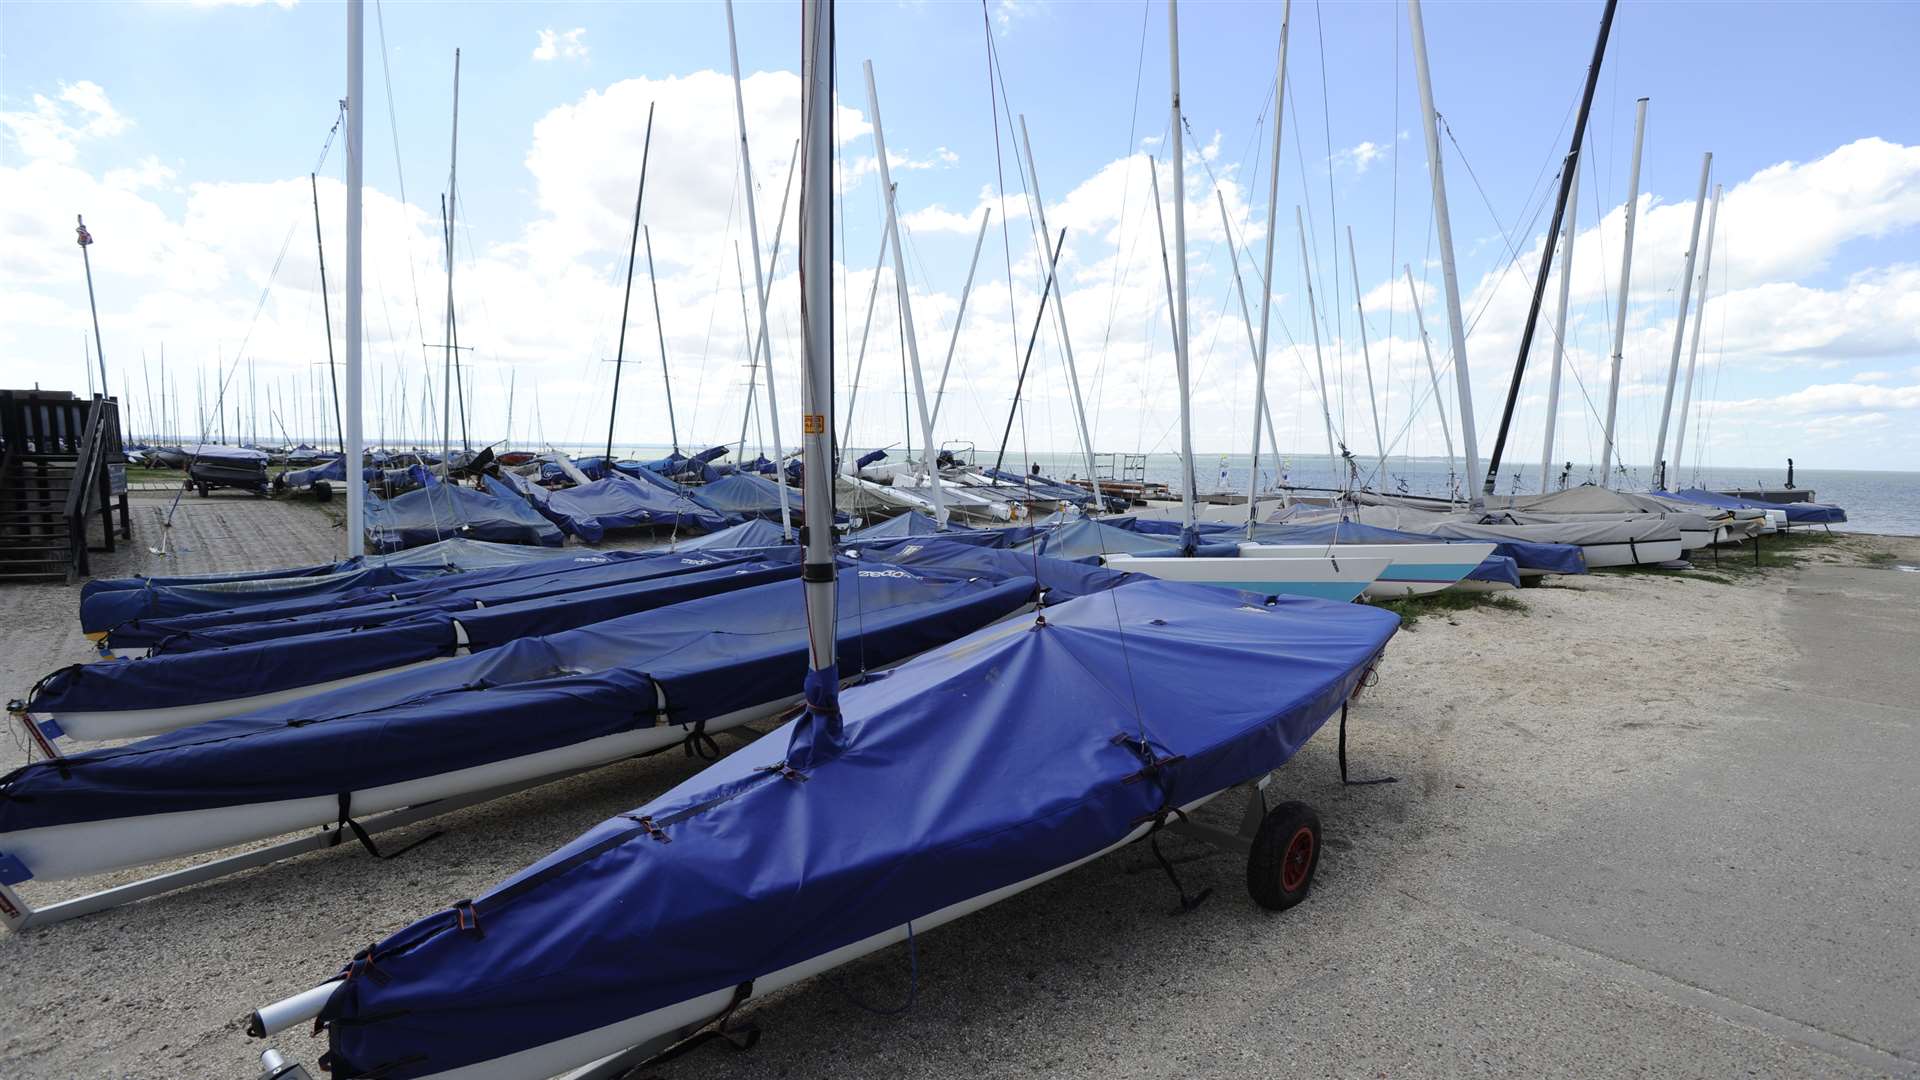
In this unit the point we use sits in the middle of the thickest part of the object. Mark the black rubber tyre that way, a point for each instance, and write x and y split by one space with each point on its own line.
322 490
1286 851
204 490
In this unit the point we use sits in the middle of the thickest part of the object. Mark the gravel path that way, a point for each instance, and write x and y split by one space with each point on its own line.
1453 929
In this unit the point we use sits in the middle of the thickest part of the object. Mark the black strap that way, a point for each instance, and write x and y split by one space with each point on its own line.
1187 902
366 840
1343 757
699 744
913 984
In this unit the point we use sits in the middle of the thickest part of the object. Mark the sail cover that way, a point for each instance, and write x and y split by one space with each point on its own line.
1798 513
703 659
1178 691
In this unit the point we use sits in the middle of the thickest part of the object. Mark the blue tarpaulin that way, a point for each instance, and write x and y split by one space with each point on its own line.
703 658
1798 513
1088 538
439 511
752 533
1005 756
749 496
333 469
911 523
621 502
278 664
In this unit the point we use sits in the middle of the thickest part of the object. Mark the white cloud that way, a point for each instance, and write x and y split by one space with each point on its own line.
561 45
1359 156
281 4
55 127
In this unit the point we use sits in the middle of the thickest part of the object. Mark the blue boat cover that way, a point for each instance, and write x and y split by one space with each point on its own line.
439 511
621 502
751 533
415 582
1496 568
1089 538
454 595
1169 527
252 668
106 603
911 523
982 780
1799 513
1041 487
334 469
1062 579
233 455
748 496
704 658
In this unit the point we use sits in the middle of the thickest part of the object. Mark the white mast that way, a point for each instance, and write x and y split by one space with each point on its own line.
1261 412
1433 374
1560 325
1246 317
1620 309
660 329
452 214
1443 233
759 276
1700 316
940 394
1326 410
859 364
1366 359
1187 482
1060 300
1680 328
929 453
356 489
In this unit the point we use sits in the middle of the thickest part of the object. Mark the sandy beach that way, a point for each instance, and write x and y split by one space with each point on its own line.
1644 825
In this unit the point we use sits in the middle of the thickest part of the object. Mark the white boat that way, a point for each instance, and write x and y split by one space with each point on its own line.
1319 576
1413 569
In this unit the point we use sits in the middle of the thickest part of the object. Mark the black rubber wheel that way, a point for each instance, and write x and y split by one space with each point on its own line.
322 490
204 490
1286 851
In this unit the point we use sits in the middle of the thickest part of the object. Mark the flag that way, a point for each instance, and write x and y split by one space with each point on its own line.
85 237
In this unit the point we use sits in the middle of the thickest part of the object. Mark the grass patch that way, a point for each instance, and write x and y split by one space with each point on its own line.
1780 551
1412 609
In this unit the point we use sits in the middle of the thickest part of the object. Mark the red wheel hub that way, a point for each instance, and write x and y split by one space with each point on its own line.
1298 862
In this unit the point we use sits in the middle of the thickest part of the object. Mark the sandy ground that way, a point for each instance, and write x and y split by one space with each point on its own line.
1646 826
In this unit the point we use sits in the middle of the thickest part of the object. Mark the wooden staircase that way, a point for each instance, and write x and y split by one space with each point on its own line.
56 471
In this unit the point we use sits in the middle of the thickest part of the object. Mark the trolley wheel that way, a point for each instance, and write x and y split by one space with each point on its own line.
1286 851
322 490
205 490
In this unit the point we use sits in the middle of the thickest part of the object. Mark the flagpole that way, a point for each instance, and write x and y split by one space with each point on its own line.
99 351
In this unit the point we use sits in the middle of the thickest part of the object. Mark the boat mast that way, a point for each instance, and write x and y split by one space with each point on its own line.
1620 309
940 393
816 389
626 294
660 328
1261 411
759 275
1680 327
1326 410
1443 233
356 490
85 240
1553 226
928 452
1060 305
1700 316
1366 360
1560 325
859 365
1187 482
446 215
326 311
760 344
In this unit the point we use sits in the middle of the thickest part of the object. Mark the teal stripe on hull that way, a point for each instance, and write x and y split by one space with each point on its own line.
1427 573
1324 590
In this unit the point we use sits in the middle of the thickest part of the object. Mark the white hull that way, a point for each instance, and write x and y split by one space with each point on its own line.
141 723
1638 553
1413 570
1328 579
589 1047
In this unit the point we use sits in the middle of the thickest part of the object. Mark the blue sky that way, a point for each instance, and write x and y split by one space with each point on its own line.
188 125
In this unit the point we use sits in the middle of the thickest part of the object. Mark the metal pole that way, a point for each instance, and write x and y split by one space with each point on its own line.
1620 307
326 310
659 327
816 389
1039 317
1560 325
1266 274
626 294
1379 439
356 491
446 216
1326 409
1700 316
1060 319
928 451
85 240
859 365
759 275
1546 255
940 394
1443 231
1188 482
1680 327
